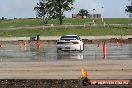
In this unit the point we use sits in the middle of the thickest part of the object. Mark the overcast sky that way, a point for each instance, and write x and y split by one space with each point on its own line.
24 8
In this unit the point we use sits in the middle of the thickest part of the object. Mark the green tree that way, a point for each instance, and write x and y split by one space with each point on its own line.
129 9
83 13
43 10
53 8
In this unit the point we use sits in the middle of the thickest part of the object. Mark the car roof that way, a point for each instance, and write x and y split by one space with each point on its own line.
70 35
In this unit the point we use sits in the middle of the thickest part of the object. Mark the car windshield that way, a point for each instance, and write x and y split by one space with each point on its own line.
70 37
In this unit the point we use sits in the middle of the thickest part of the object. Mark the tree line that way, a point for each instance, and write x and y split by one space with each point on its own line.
129 8
54 9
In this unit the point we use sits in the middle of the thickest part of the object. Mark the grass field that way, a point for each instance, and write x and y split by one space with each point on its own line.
87 31
19 27
39 22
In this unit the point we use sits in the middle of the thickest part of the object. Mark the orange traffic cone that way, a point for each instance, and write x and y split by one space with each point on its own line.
38 45
104 50
20 44
25 45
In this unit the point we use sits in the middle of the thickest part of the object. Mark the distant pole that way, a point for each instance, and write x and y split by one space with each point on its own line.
93 16
102 14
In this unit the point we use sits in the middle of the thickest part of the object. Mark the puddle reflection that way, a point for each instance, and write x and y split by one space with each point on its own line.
70 55
48 52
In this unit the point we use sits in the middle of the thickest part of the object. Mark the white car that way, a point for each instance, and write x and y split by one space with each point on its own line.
70 42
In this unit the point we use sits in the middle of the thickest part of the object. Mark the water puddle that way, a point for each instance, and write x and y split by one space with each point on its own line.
13 52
